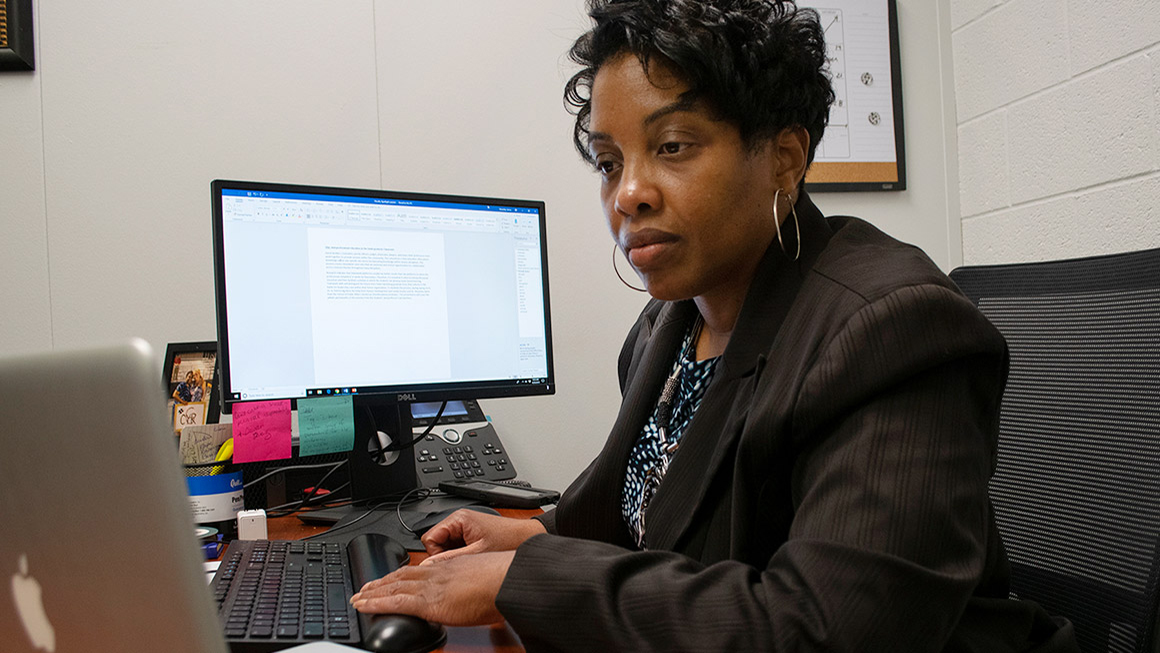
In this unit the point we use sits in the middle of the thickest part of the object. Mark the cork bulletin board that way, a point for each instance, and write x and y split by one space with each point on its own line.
862 148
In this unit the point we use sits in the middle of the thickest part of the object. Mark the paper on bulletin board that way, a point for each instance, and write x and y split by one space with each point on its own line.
261 431
200 443
325 425
861 144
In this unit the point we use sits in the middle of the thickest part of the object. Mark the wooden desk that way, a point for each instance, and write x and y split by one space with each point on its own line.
496 638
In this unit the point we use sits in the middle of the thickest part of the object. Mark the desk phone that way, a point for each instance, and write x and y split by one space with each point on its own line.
462 445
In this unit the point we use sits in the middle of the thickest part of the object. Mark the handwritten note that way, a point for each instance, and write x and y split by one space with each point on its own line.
261 431
192 414
200 444
325 425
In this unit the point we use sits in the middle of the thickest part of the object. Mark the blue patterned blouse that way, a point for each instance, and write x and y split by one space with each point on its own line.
655 448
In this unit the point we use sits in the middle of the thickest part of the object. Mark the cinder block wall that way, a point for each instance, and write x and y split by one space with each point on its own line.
1058 113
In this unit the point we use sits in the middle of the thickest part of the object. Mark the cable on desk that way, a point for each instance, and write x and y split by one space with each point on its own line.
331 469
280 470
399 507
424 493
324 501
319 484
377 454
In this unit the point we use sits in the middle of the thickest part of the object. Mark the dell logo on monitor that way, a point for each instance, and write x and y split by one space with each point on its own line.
406 396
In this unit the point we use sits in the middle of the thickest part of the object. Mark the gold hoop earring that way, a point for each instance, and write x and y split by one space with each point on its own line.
615 269
796 225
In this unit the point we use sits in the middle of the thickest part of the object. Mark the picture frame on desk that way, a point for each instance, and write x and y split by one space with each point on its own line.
189 373
16 50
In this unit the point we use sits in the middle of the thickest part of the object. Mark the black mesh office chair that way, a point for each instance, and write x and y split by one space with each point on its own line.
1077 488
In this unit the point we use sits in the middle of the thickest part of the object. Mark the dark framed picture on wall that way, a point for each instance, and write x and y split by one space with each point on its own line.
190 372
16 52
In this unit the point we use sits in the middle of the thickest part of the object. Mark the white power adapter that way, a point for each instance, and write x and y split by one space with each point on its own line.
252 524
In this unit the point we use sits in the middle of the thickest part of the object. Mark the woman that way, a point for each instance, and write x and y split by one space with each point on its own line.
197 393
185 390
810 408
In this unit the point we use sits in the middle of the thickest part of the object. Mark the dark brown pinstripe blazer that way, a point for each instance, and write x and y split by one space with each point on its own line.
830 494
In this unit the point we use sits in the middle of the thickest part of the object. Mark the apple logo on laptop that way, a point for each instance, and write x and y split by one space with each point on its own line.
30 605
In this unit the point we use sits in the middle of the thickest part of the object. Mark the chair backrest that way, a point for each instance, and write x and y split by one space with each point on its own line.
1077 487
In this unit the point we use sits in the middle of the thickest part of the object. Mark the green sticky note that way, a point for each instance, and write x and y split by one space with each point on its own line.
325 425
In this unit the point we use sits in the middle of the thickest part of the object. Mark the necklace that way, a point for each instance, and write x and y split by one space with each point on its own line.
665 405
664 416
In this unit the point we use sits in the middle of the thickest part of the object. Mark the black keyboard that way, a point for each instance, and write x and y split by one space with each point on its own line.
274 594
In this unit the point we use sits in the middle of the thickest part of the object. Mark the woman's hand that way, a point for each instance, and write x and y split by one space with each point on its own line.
467 531
454 592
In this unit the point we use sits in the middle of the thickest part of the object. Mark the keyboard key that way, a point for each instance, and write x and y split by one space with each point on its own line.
336 597
312 631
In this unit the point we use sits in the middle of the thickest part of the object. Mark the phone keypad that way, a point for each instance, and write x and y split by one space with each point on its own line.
478 454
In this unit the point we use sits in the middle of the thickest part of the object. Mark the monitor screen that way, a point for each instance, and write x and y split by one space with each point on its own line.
401 296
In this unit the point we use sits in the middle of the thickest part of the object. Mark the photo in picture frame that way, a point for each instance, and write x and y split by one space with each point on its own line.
16 49
190 375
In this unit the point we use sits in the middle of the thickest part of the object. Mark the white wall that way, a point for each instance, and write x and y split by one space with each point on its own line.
108 148
1058 137
25 311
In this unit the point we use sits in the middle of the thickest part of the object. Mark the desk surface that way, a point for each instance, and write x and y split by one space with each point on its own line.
497 638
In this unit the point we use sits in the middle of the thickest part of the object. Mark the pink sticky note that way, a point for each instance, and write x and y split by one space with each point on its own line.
261 431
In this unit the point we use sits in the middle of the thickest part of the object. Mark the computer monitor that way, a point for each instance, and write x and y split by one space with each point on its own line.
389 297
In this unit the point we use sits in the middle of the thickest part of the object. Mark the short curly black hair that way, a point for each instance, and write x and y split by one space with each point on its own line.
757 64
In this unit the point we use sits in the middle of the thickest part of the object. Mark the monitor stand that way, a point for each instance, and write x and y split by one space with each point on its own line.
389 476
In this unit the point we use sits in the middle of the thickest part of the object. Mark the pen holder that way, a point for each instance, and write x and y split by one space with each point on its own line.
216 495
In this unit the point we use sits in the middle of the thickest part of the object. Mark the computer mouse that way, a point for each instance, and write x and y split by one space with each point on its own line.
397 633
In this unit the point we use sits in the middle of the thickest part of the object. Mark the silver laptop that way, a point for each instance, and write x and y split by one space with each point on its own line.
97 544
